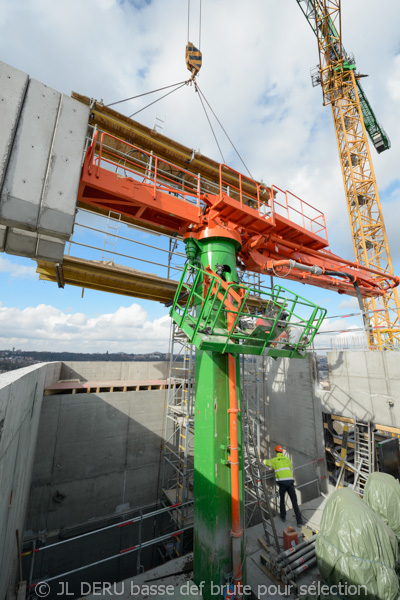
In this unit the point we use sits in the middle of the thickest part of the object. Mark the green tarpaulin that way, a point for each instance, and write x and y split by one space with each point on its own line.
382 494
355 547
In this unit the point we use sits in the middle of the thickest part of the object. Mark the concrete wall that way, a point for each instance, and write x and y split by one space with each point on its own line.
124 371
96 455
364 384
21 395
293 418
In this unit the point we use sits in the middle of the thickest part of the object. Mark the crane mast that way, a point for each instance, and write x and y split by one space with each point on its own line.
340 88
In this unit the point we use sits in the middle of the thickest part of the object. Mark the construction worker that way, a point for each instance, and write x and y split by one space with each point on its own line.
282 467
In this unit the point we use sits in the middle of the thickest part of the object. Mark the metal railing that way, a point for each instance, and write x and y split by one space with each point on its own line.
135 548
110 152
306 215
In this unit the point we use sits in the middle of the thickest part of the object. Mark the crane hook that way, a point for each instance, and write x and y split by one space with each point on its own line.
193 60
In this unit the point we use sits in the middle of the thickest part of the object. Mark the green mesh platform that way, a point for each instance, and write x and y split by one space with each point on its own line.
284 324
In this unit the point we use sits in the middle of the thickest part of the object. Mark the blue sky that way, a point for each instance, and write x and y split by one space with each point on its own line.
113 50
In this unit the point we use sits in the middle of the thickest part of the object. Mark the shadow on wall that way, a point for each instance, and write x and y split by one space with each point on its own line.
293 419
338 400
97 458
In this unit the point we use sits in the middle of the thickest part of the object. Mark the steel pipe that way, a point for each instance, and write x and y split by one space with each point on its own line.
299 561
293 574
294 549
302 552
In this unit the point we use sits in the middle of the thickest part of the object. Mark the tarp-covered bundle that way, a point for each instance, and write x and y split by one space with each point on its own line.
354 547
382 494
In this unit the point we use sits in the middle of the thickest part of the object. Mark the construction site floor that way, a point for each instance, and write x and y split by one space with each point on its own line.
174 579
266 587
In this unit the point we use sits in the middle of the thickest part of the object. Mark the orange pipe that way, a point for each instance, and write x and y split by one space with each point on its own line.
236 531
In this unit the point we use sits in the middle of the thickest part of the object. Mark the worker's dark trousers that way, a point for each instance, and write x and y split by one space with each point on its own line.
288 486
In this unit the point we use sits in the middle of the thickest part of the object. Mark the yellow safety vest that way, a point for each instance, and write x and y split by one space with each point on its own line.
282 466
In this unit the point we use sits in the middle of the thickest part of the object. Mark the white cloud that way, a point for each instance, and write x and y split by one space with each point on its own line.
255 74
350 304
339 333
15 270
43 327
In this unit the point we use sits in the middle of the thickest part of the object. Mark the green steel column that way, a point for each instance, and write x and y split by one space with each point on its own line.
212 498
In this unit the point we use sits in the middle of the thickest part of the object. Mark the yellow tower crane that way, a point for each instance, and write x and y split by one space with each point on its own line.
342 90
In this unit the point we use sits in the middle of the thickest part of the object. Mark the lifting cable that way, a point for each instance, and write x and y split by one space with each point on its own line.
188 24
201 95
147 93
161 97
209 122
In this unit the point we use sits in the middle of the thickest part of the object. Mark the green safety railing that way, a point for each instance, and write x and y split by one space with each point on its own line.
283 323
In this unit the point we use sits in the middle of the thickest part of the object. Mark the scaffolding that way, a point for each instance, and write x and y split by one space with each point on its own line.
178 450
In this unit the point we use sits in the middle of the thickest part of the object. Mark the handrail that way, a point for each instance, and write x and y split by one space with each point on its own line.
247 191
318 219
239 189
152 174
256 198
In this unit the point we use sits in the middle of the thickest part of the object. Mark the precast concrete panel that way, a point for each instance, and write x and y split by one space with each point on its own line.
3 237
27 167
21 242
49 248
13 84
57 210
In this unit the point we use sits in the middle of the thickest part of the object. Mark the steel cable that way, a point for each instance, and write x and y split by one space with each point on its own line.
165 95
209 122
220 124
146 93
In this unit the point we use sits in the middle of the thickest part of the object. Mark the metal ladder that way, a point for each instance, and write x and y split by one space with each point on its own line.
111 235
255 481
363 454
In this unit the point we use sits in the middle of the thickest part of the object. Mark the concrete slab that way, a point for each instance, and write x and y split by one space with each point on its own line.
28 162
13 84
57 209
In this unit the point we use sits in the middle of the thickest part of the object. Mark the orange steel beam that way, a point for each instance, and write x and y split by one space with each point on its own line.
173 199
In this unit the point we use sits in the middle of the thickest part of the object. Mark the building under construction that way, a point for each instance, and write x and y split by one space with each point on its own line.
146 479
